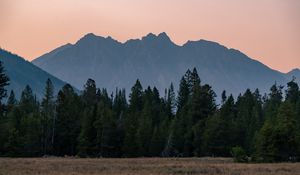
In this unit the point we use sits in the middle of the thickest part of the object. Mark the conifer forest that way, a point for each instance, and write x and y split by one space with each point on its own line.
147 123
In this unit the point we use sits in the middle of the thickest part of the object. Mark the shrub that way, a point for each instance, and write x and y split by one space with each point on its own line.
239 154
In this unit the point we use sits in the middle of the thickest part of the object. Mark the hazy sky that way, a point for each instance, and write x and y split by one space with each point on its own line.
267 30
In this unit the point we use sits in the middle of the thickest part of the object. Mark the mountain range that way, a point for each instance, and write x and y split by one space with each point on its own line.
22 73
157 61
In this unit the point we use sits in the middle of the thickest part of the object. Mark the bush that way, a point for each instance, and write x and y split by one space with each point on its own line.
239 154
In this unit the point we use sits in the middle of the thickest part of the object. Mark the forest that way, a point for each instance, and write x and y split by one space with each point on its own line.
189 123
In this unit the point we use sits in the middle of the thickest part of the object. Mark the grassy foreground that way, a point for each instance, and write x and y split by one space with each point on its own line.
145 166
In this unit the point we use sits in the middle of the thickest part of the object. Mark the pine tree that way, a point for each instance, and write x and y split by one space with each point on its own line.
136 102
87 137
183 95
179 124
12 99
157 142
219 135
28 102
273 102
279 142
130 145
144 130
120 103
249 119
224 97
24 124
292 93
171 101
89 94
67 122
107 129
4 81
287 135
48 120
11 102
266 150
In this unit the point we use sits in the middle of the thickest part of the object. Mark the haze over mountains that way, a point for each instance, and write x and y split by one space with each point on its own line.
22 73
157 61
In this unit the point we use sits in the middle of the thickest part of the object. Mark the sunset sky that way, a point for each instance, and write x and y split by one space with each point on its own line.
266 30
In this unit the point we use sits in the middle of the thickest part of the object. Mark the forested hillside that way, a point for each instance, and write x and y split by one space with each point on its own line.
149 124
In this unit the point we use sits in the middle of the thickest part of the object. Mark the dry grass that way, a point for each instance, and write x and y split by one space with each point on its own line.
143 166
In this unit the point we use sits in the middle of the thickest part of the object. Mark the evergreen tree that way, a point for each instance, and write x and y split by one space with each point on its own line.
273 102
144 131
171 101
12 99
67 122
136 102
28 102
219 135
24 125
249 119
279 142
287 135
87 137
48 121
107 128
292 93
11 102
4 81
130 146
157 142
224 97
183 95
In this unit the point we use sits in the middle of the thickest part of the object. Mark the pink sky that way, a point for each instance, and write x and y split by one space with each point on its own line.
266 30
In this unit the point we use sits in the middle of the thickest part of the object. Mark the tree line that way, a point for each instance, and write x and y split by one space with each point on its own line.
95 123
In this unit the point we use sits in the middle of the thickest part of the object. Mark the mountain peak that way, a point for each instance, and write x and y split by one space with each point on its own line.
89 35
149 36
161 37
204 43
296 70
92 38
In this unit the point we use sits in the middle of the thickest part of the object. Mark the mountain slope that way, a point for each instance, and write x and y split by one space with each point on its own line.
22 73
156 60
295 73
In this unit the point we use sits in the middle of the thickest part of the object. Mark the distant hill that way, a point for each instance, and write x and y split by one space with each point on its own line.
156 60
22 73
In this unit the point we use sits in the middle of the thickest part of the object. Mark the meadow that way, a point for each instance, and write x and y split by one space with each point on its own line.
144 166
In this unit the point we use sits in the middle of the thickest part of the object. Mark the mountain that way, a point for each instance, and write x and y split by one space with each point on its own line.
295 73
156 60
22 73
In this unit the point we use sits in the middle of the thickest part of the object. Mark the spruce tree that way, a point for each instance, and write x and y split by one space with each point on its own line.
130 146
292 92
87 137
144 130
273 102
171 101
4 81
67 122
48 117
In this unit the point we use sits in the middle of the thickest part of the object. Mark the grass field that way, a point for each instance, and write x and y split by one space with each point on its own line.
143 166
